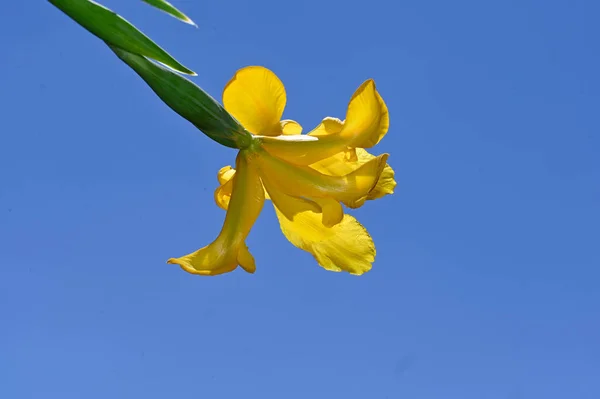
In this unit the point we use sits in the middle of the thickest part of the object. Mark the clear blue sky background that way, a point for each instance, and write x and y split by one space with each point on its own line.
486 278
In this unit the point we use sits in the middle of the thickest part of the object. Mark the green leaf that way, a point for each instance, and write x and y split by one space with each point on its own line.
171 10
189 101
117 31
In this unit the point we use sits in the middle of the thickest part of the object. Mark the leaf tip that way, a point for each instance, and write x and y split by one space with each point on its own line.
188 21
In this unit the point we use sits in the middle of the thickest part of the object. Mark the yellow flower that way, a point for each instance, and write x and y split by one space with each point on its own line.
307 177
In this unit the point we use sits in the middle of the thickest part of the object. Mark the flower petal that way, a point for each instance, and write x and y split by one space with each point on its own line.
229 249
256 98
347 246
331 210
290 127
225 174
367 118
367 121
302 181
339 165
223 192
304 149
286 202
328 126
386 183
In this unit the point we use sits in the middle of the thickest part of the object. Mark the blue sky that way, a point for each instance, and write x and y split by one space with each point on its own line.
486 278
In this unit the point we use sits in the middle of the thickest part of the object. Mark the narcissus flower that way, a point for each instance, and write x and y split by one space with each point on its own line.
307 177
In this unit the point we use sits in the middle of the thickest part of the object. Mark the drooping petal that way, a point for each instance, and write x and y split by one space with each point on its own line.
367 121
286 202
302 181
347 246
339 165
229 249
256 98
331 210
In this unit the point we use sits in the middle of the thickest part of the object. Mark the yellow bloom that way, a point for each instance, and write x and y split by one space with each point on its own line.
307 177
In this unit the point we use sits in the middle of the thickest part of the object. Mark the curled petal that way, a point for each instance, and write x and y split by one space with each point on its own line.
367 121
223 194
327 126
225 174
256 98
330 126
386 183
339 165
290 127
286 202
331 210
304 149
229 249
302 181
367 118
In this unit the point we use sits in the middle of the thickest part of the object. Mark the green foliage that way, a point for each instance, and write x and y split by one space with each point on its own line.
138 51
189 101
116 30
171 10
